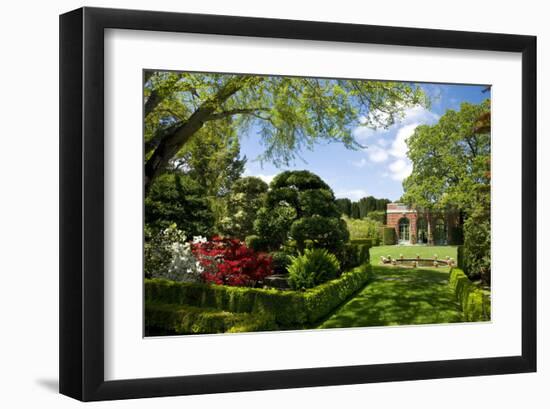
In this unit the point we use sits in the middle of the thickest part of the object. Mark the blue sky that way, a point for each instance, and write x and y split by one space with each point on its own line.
377 170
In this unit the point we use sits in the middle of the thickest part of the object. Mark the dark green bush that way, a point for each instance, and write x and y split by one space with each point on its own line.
456 235
388 236
280 260
477 245
256 243
288 308
460 257
312 268
364 253
175 198
273 224
300 206
349 256
475 302
327 232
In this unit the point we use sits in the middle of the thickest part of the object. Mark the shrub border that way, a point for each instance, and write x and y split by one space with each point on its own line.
288 308
475 302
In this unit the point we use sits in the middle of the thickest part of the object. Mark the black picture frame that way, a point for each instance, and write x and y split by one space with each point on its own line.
82 200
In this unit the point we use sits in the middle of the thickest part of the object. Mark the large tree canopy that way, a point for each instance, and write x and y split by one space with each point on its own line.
450 160
290 114
451 168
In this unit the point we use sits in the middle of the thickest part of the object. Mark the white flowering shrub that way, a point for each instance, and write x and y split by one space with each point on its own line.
168 255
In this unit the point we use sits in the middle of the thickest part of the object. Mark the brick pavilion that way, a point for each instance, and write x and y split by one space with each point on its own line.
414 226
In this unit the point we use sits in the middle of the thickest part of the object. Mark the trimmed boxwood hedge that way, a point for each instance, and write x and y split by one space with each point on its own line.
184 319
354 254
288 308
475 302
388 236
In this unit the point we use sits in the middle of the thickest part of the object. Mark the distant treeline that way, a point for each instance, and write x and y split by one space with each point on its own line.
362 208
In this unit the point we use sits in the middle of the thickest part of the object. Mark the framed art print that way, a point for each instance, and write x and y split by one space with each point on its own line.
252 204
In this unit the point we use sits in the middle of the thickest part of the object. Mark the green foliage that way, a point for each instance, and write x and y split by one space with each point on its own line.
313 202
475 302
325 232
477 246
388 236
349 256
301 207
377 216
353 254
157 251
370 204
280 260
212 160
174 198
256 243
290 113
344 206
241 204
364 253
364 229
460 257
288 308
184 320
273 224
449 159
451 170
456 235
312 268
355 211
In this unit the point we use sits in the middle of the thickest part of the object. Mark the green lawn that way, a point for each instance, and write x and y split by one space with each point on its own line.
400 296
411 252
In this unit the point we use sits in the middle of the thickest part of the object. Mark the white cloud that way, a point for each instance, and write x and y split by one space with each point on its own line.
266 178
354 194
361 163
392 142
377 154
362 134
400 169
399 145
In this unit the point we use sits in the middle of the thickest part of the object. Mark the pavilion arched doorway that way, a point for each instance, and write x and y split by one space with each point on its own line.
404 231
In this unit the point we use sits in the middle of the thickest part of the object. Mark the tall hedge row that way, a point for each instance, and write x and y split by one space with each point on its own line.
475 302
388 236
288 308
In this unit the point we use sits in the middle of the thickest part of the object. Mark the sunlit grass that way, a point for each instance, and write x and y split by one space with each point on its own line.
400 296
411 252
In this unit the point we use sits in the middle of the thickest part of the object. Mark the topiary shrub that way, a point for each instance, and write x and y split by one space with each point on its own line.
300 207
326 232
388 236
312 268
280 261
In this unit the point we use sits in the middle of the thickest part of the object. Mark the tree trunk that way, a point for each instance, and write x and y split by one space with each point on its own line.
170 145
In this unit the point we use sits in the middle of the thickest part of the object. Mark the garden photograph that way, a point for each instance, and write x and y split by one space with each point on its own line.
275 203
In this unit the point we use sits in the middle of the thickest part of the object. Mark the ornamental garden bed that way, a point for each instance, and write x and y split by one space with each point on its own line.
195 308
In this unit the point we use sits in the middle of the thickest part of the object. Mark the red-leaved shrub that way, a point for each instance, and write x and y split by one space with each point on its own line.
228 261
